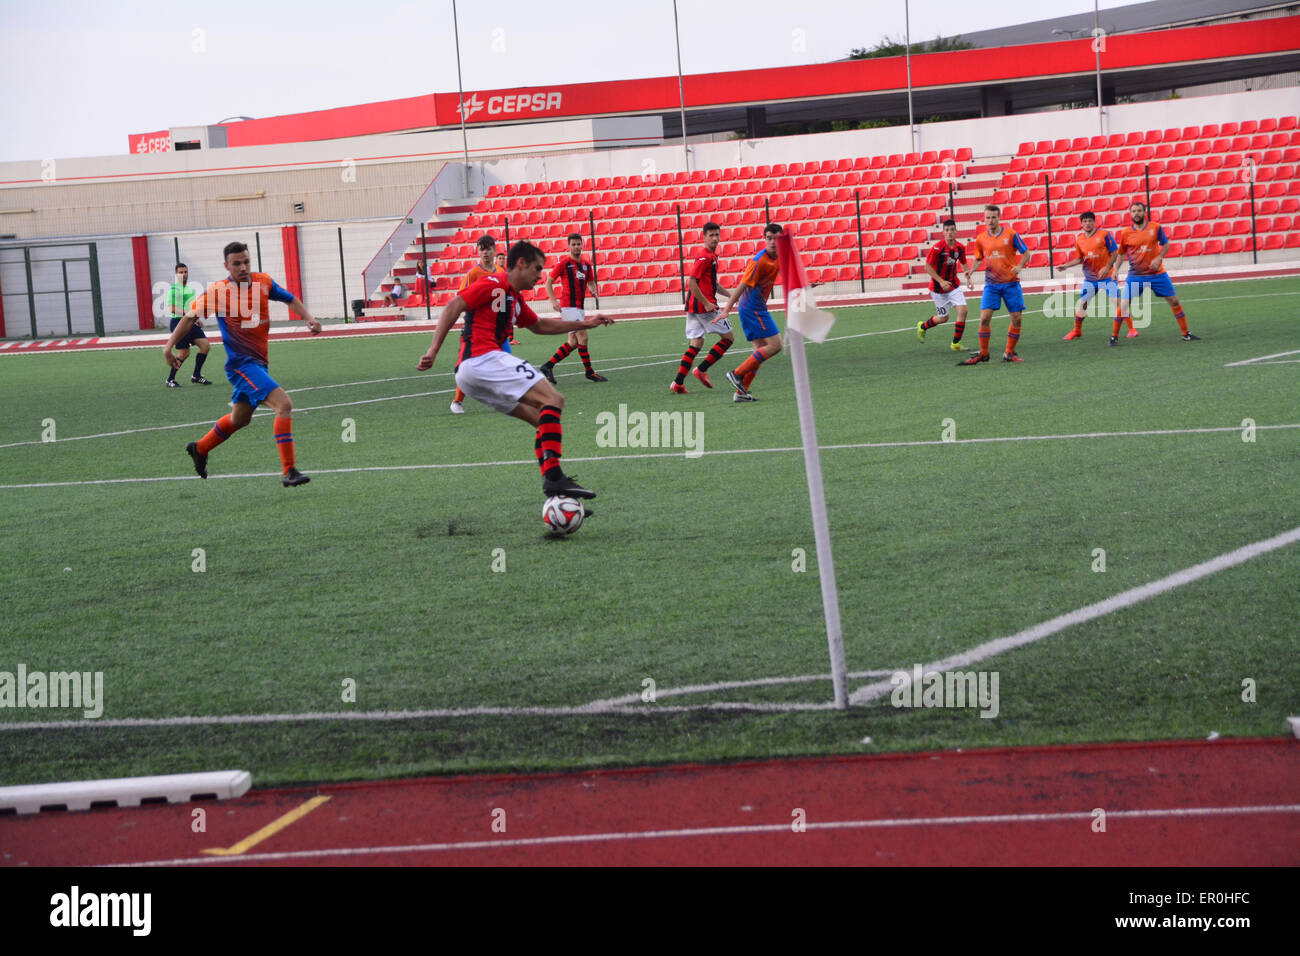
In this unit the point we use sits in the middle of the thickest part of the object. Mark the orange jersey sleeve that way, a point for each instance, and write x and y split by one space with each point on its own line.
471 277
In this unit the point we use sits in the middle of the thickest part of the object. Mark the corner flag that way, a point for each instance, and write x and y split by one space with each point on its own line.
805 319
801 310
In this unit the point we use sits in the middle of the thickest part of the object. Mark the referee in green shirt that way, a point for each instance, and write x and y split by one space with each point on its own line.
179 298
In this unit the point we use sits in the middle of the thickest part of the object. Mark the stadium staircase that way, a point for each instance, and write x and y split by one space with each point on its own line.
971 193
439 229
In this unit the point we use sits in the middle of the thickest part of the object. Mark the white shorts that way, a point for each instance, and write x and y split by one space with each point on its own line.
950 299
572 315
497 379
700 324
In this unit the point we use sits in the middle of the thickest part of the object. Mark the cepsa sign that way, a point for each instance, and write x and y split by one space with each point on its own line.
508 105
159 142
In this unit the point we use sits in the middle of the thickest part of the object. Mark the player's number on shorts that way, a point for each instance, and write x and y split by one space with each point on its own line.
525 369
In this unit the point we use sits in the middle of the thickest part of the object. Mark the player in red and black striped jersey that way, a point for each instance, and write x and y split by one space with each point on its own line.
702 312
493 306
573 274
941 265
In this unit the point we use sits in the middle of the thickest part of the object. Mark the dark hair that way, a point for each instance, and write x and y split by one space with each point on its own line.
710 227
1087 214
772 229
526 251
574 235
1137 202
950 222
232 248
992 208
180 265
486 242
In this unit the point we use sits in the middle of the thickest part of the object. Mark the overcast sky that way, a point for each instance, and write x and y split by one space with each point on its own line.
78 77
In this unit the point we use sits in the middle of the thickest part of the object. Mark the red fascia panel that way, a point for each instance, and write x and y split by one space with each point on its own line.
292 264
386 117
846 78
143 285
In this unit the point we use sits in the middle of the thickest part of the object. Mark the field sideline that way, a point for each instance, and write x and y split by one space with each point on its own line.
415 566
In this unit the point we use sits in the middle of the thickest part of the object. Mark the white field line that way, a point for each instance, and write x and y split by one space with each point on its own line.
777 307
1089 612
633 699
774 829
630 704
297 410
662 454
1262 358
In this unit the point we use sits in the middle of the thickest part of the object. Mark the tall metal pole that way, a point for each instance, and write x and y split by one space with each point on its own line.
907 49
1096 49
343 276
1047 194
681 90
1254 238
460 91
591 224
862 267
681 259
428 282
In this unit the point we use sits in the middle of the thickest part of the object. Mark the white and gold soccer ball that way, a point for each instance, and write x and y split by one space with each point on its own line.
562 515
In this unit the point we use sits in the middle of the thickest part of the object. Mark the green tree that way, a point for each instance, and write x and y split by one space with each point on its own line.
891 47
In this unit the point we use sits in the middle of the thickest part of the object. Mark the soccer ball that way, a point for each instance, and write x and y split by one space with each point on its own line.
562 515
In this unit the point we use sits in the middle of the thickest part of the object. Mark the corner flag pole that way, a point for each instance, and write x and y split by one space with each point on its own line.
802 313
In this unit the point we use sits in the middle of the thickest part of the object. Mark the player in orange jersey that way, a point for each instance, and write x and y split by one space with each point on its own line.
1094 250
1144 245
1004 254
753 290
241 305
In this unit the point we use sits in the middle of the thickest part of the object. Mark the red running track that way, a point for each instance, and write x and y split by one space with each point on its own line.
1221 803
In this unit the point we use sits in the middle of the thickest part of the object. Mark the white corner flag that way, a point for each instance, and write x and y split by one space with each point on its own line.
801 312
805 319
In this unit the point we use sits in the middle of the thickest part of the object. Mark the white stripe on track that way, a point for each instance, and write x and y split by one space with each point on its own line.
686 833
661 454
1087 613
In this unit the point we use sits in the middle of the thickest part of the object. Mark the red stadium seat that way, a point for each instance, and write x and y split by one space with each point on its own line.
1213 247
1272 242
899 270
1192 249
1152 136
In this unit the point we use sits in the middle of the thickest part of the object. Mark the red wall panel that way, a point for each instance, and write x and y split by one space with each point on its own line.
143 284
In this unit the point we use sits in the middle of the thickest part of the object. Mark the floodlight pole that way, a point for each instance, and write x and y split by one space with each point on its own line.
681 90
1096 49
460 91
907 50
